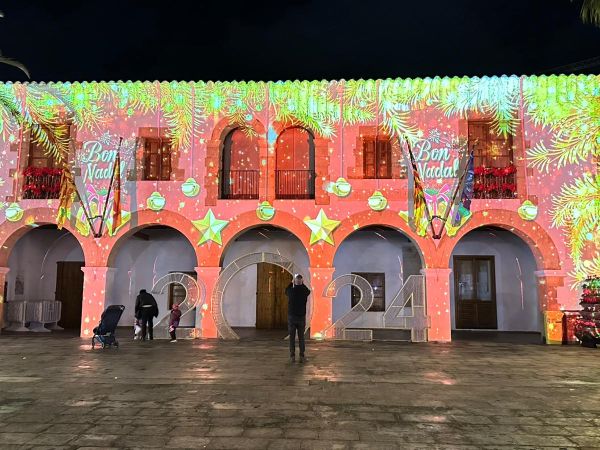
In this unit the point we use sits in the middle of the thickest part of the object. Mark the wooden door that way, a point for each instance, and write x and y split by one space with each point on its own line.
475 292
177 291
271 302
69 291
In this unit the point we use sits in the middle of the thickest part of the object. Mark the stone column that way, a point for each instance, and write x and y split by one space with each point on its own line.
95 282
550 283
3 274
321 305
209 276
437 294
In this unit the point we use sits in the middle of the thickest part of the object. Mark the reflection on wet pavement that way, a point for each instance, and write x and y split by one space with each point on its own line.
245 394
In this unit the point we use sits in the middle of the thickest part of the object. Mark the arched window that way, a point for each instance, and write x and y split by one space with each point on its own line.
295 164
240 166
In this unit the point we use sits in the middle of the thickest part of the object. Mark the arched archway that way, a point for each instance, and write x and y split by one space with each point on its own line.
45 264
389 219
251 289
494 286
386 257
144 219
532 233
140 258
248 221
11 232
224 328
295 164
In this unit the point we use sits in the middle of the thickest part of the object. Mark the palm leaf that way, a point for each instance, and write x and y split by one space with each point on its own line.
538 157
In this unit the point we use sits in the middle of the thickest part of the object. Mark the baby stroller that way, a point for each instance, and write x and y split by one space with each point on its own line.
104 333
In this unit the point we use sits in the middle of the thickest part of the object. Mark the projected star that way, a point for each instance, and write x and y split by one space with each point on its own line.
321 228
210 227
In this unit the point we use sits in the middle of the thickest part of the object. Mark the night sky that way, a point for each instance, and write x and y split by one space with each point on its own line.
291 39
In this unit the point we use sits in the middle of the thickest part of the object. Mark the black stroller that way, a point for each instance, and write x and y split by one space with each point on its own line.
104 333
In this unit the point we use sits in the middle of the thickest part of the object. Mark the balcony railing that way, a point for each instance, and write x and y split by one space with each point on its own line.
240 184
294 184
41 183
495 183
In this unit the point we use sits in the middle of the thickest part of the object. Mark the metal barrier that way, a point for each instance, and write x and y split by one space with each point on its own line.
33 315
14 316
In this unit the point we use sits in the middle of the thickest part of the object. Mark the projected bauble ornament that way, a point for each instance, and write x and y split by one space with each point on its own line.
527 211
156 202
377 202
190 188
14 212
265 211
341 187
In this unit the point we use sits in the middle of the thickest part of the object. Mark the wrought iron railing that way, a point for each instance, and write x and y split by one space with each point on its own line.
295 184
495 183
41 183
240 184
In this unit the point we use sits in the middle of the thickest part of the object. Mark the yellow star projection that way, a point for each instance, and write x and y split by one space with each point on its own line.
210 227
321 228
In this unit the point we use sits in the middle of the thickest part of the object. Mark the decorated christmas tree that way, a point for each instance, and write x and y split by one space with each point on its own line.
587 328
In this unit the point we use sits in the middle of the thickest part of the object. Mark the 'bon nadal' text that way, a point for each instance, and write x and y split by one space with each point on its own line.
435 162
99 162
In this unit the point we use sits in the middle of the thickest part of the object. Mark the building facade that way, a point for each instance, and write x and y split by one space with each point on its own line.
313 172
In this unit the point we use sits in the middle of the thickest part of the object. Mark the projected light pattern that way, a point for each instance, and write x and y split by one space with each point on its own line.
314 139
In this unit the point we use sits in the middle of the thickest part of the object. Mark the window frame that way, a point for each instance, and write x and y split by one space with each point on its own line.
481 154
371 147
160 171
376 306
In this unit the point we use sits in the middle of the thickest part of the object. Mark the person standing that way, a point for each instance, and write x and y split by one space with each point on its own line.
297 294
146 309
174 321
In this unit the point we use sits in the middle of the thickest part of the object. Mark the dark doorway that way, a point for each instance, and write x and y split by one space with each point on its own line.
177 291
69 291
271 302
475 292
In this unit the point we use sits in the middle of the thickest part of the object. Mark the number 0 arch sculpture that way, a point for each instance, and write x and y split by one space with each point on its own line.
224 330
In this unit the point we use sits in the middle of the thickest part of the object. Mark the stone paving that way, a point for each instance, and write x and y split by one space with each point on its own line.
58 393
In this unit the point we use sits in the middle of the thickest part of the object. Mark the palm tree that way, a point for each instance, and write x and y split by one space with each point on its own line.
590 11
52 136
12 62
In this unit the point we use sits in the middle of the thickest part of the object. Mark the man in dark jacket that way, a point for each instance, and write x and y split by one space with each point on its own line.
145 310
297 294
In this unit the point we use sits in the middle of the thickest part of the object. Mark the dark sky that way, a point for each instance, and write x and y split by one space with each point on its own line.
293 39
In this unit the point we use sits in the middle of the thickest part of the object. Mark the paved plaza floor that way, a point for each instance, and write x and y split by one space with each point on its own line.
58 393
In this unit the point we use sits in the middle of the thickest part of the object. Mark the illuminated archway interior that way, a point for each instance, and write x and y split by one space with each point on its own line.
242 298
141 260
386 258
45 264
510 294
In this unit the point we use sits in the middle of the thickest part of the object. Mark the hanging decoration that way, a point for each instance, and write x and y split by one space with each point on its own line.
13 212
377 202
527 210
265 211
321 228
340 188
190 188
210 227
156 201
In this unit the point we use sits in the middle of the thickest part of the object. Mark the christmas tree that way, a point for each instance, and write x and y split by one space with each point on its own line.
587 328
